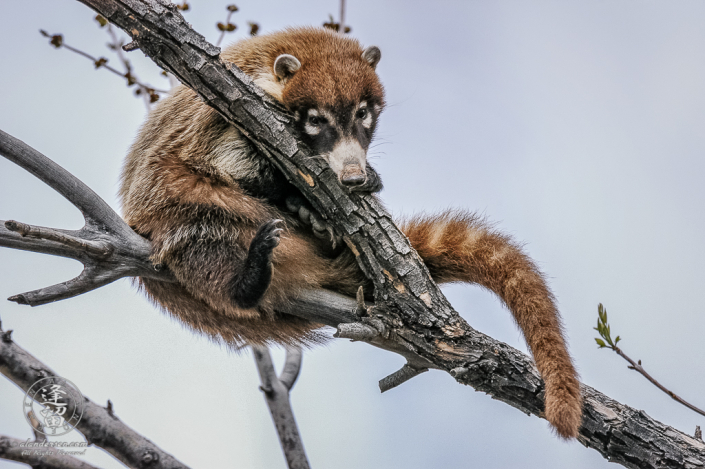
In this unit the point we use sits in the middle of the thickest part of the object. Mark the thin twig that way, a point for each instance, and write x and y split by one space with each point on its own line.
342 17
149 94
226 27
636 366
58 42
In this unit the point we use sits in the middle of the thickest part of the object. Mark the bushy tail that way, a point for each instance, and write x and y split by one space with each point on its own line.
460 247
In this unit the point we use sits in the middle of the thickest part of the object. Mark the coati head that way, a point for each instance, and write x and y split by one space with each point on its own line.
330 85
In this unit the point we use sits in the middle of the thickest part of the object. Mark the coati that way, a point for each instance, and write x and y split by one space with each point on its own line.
241 242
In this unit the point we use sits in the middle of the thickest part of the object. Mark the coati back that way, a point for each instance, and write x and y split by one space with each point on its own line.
241 241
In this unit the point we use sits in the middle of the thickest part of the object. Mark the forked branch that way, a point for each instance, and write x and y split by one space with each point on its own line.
107 247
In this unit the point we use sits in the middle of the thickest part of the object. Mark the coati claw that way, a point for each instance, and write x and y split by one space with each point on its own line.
268 237
361 309
334 240
308 216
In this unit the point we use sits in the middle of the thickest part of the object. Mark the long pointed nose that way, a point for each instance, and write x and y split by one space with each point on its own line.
353 175
348 159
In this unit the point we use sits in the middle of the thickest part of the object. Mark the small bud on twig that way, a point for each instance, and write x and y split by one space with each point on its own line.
101 20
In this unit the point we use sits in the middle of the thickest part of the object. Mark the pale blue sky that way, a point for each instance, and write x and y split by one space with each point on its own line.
576 126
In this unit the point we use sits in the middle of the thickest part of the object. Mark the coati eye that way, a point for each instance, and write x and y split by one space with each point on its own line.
316 120
362 113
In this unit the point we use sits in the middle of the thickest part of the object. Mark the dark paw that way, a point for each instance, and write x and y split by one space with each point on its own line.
372 184
267 237
253 280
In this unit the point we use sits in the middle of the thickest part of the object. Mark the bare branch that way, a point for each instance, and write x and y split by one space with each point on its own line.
404 374
292 367
276 394
39 457
98 425
106 246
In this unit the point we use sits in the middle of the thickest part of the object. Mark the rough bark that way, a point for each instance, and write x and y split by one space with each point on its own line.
410 316
99 425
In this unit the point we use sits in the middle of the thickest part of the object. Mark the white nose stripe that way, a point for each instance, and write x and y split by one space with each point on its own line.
347 151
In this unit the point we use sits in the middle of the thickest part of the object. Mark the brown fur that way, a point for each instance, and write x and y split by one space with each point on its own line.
460 247
182 187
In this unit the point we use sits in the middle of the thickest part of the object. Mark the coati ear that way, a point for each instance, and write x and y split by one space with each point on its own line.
372 55
286 65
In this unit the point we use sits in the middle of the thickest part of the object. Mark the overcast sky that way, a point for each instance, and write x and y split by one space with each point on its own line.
576 126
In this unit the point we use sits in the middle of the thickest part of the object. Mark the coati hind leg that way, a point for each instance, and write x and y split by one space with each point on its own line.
249 287
224 261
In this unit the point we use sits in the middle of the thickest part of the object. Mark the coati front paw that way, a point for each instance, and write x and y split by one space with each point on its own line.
254 279
372 184
307 215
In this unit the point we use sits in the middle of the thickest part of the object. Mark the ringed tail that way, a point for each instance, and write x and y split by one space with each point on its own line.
458 246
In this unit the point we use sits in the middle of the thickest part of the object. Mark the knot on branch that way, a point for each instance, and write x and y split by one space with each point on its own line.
149 457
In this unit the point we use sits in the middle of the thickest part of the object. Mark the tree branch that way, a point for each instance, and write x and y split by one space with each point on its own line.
637 367
99 425
276 394
106 246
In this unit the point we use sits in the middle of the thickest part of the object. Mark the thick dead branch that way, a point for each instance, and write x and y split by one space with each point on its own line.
38 457
99 426
276 394
106 246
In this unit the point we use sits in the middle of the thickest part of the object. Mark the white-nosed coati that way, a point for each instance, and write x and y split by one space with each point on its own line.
214 209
